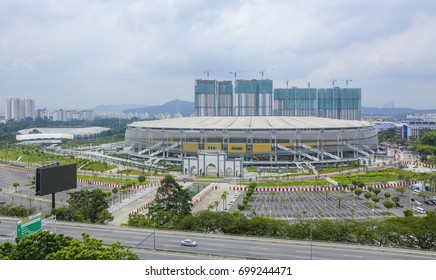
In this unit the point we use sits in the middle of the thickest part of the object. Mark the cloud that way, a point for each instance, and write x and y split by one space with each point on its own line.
132 51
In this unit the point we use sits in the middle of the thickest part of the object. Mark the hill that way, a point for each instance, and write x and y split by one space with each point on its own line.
116 108
186 108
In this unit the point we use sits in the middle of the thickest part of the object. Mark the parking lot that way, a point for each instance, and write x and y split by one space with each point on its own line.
24 194
293 205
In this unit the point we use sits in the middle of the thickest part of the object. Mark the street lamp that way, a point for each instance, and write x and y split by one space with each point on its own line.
154 231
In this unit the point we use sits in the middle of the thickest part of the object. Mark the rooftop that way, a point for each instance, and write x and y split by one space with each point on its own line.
251 122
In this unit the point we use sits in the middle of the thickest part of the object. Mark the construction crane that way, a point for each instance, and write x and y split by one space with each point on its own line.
236 72
263 71
333 82
346 82
207 72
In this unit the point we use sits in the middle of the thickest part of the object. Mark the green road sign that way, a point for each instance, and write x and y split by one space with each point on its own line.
29 225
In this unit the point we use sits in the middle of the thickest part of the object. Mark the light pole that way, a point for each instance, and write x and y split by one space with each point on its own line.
310 229
154 231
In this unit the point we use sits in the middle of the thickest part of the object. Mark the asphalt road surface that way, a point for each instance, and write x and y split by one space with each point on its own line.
168 246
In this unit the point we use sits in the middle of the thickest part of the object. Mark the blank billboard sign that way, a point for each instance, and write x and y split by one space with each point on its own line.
56 179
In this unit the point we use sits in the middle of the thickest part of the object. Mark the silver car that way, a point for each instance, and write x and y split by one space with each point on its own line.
189 242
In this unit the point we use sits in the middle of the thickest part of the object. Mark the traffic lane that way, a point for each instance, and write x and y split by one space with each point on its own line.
250 248
262 249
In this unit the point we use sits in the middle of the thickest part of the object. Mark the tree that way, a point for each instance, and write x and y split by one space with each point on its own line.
408 212
388 204
424 194
92 249
52 246
339 198
92 205
171 197
376 191
358 192
400 190
141 179
375 199
15 185
367 195
395 199
115 191
224 198
387 195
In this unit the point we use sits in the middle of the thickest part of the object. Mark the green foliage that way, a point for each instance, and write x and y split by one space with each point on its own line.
375 199
319 182
86 206
92 249
141 179
409 232
367 195
52 246
376 191
171 197
15 210
388 204
358 192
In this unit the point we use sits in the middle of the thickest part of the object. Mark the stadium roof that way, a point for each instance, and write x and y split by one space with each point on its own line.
251 122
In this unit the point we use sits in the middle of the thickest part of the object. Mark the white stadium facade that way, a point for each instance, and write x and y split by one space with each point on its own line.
256 140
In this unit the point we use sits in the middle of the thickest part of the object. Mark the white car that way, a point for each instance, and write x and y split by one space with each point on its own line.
189 242
420 210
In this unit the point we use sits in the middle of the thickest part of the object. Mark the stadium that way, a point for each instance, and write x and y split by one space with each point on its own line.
258 140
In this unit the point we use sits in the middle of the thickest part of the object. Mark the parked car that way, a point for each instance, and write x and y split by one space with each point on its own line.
432 202
189 243
420 210
399 205
417 202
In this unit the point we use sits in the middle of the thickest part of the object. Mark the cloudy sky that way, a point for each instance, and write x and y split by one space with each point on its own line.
77 54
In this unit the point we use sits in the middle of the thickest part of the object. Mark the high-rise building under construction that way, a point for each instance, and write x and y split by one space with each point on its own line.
213 98
256 98
253 97
334 103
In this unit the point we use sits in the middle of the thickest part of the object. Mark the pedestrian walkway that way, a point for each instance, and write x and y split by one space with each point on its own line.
122 210
213 200
334 183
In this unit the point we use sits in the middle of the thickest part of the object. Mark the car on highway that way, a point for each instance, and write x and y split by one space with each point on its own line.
189 243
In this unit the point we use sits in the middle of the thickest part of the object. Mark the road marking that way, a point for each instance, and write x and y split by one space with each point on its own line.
353 256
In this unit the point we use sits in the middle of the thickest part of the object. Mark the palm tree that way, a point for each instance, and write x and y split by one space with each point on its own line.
216 205
224 198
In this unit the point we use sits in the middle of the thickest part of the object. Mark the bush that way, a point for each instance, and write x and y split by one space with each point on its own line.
15 211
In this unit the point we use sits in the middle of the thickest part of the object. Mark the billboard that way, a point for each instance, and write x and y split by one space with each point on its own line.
55 179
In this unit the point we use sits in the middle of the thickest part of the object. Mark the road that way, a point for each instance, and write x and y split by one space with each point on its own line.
225 247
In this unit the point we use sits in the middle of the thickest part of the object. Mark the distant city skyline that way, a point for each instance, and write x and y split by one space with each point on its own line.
81 54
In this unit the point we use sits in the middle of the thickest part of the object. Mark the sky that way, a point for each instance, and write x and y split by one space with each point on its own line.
77 54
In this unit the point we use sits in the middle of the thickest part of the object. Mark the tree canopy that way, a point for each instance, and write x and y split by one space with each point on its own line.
171 197
52 246
85 206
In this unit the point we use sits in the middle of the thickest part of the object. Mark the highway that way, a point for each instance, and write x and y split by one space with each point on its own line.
168 247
